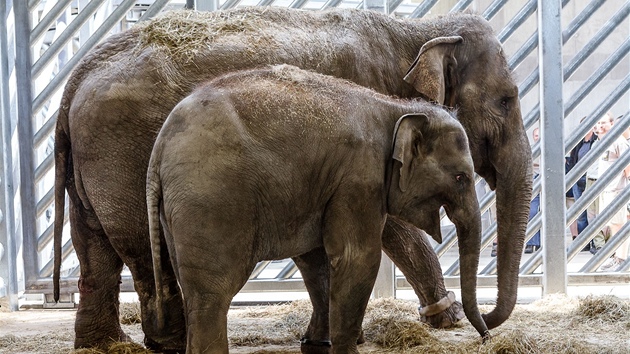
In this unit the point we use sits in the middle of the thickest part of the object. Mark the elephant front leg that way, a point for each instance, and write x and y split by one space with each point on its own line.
315 270
409 249
352 242
97 323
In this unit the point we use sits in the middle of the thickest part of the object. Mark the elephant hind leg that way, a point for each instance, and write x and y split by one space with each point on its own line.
210 273
97 323
173 337
315 271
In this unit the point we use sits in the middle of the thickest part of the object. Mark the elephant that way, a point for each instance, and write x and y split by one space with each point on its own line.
119 95
275 163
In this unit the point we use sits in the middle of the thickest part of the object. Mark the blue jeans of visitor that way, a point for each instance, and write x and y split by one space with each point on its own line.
534 206
578 189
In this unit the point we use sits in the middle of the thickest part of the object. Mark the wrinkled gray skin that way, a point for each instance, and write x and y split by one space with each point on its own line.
271 164
118 97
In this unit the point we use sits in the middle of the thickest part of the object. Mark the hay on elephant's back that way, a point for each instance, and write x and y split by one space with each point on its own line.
182 34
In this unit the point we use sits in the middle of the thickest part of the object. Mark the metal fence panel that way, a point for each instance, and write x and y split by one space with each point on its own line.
569 57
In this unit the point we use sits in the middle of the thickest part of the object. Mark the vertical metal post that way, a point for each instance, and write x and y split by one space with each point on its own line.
8 257
385 285
25 137
206 5
552 159
381 6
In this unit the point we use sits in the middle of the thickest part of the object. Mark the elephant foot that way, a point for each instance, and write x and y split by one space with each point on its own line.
165 346
444 313
310 346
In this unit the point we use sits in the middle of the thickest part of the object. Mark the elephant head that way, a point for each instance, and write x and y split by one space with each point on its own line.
432 168
468 71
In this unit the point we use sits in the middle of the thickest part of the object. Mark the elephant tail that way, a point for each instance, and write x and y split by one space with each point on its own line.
62 175
154 199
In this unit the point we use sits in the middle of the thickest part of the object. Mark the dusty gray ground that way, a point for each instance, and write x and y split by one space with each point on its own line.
552 325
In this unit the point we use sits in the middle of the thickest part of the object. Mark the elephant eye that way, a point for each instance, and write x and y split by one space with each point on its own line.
506 103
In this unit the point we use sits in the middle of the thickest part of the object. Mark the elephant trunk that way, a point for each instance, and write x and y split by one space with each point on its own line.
468 224
512 215
513 194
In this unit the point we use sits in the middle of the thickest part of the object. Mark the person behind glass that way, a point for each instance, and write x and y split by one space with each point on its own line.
534 243
576 154
612 153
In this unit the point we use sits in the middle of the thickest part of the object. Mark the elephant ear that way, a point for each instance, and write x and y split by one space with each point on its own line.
433 71
407 136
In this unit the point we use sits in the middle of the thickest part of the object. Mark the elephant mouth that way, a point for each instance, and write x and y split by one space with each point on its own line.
485 166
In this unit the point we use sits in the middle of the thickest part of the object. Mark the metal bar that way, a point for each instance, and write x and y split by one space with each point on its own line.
7 233
461 5
422 9
582 240
47 270
49 19
206 5
616 240
597 77
517 21
393 5
288 271
25 136
65 71
69 285
609 101
229 4
265 3
32 4
46 200
577 22
65 36
153 10
493 9
385 285
44 132
47 235
44 167
260 267
331 3
490 281
580 168
597 40
580 19
552 159
298 4
587 198
579 133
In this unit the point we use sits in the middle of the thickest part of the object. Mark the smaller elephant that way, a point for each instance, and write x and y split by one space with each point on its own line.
281 162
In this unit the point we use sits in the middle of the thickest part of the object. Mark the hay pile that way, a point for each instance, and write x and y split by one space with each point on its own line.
129 313
556 324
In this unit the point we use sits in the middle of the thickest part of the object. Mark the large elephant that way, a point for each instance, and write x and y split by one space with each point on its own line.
270 164
120 94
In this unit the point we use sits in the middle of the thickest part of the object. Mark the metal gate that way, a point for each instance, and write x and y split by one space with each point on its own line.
569 57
